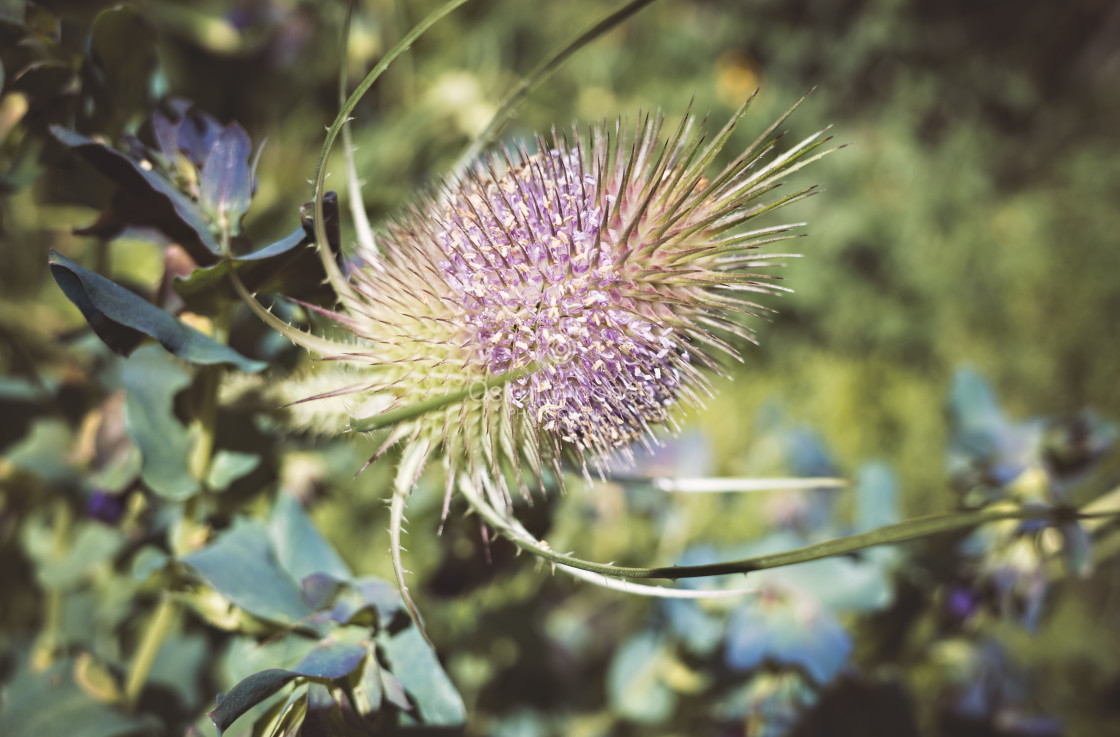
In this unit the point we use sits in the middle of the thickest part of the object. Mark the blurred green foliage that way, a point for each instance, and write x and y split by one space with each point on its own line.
971 220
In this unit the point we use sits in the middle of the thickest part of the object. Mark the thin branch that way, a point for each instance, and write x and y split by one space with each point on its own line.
538 75
334 273
934 524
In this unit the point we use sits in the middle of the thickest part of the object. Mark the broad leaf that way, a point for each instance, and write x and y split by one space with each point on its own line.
49 703
241 565
300 548
122 319
416 666
152 379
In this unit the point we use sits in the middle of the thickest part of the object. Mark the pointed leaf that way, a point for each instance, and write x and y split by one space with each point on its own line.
300 548
416 666
122 319
247 694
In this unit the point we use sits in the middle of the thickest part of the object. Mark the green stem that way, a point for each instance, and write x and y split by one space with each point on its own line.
919 527
334 273
159 627
475 390
542 72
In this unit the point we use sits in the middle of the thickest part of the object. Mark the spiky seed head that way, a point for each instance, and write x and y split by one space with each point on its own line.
569 299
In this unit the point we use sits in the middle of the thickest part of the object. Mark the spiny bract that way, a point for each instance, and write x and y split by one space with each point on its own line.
563 301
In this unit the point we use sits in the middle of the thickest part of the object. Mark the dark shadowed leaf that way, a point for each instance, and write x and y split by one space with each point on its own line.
300 548
247 694
123 49
122 319
289 267
225 187
152 378
143 198
241 565
417 668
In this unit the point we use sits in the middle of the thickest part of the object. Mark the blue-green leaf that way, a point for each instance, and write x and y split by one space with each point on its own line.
300 548
417 668
228 466
635 684
241 565
332 658
122 319
152 379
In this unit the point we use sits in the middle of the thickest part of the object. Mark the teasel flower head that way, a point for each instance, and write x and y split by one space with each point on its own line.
563 300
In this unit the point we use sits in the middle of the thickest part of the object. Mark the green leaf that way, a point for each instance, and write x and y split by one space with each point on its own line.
241 565
247 694
122 319
417 668
43 450
152 379
49 703
876 497
229 466
143 198
635 685
92 544
368 691
300 548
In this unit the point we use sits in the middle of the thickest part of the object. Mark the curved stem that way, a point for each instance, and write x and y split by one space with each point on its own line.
362 229
334 273
918 527
538 75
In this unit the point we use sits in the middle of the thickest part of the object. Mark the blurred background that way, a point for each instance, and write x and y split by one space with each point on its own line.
962 251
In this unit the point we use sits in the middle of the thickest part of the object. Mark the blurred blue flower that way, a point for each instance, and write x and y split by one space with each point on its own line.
105 507
775 702
987 687
794 619
990 456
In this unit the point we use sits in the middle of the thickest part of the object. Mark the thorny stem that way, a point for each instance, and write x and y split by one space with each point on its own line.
396 525
393 417
538 75
334 273
918 527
